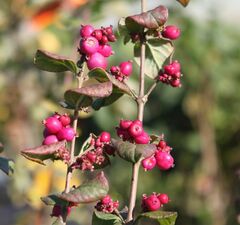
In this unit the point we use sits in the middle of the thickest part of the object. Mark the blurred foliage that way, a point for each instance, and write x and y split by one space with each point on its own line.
200 120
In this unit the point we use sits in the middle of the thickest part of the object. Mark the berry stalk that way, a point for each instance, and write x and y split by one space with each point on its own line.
141 100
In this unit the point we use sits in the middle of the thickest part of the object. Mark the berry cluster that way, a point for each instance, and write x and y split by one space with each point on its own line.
154 201
132 131
94 45
171 74
162 158
107 205
96 153
123 71
57 128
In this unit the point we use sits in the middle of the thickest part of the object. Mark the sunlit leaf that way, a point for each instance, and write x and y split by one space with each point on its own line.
101 218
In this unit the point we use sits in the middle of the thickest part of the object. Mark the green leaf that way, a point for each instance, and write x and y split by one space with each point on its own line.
184 2
133 152
101 218
156 218
54 199
7 166
123 30
1 147
90 191
53 63
151 19
43 152
157 51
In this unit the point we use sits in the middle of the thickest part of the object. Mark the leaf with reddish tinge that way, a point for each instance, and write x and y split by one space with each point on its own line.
151 19
90 191
43 152
184 2
53 63
133 152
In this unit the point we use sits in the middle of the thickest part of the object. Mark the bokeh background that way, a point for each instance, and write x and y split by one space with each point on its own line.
201 120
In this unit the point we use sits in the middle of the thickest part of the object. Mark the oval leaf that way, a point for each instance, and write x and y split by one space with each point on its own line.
151 19
101 218
157 51
54 200
43 152
157 217
90 191
53 63
133 152
184 2
7 166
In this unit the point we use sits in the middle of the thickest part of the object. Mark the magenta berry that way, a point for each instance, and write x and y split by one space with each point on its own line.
149 163
97 60
164 160
151 203
135 129
163 198
50 140
176 66
89 45
171 32
91 156
86 31
52 124
142 139
162 144
126 68
97 34
104 39
106 200
109 30
65 120
169 69
105 137
112 38
105 50
175 83
66 133
125 124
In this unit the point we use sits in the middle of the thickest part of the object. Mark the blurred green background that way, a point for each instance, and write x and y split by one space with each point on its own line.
201 120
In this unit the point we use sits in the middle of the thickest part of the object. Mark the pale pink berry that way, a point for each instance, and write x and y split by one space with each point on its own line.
66 133
125 124
126 68
171 32
52 124
86 31
135 129
105 50
151 203
89 45
50 140
164 160
65 120
142 139
163 198
149 163
105 137
97 60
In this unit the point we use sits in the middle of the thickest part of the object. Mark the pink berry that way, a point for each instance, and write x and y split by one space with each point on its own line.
97 60
162 144
97 34
176 65
89 45
176 83
163 198
164 160
106 200
112 38
65 120
105 137
109 30
115 204
105 50
171 32
125 124
152 203
66 133
135 129
142 139
50 140
91 156
98 142
86 31
126 68
52 124
169 69
104 39
149 163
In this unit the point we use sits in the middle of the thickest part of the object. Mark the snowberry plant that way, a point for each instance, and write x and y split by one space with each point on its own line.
152 39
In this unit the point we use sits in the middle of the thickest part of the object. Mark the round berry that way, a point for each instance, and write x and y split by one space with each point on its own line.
109 30
89 45
125 124
169 69
65 120
176 83
50 140
66 133
86 31
176 66
149 163
104 39
135 129
112 38
152 203
164 160
52 124
105 137
114 70
163 198
97 34
97 60
106 200
162 144
105 50
126 68
142 139
91 156
171 32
